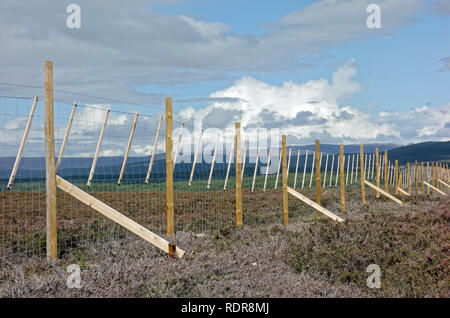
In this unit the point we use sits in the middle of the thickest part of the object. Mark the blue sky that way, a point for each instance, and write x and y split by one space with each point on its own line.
312 69
397 72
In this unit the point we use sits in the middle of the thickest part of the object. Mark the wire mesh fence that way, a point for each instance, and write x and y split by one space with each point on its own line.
119 158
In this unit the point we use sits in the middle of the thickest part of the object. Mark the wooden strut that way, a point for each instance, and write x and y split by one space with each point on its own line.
127 152
318 164
238 192
331 171
97 150
389 179
338 169
229 166
448 186
267 169
314 205
353 162
312 169
256 168
155 144
383 192
363 175
278 171
348 166
341 165
213 161
115 216
409 175
403 192
296 167
422 176
284 181
396 177
288 164
365 165
325 174
304 169
377 172
244 159
177 149
66 137
381 167
373 165
22 144
416 186
195 157
434 188
400 180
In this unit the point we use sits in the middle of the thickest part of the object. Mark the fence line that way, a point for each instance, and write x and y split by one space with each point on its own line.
90 140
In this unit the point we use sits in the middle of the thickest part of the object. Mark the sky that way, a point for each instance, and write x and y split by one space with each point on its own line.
312 69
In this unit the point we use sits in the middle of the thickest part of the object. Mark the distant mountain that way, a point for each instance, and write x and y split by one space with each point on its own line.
425 151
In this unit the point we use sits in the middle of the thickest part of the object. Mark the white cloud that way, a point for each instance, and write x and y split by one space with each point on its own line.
301 109
313 109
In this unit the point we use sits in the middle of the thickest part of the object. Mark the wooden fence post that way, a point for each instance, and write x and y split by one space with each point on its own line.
238 173
377 168
50 175
284 181
169 169
386 181
363 191
341 166
318 189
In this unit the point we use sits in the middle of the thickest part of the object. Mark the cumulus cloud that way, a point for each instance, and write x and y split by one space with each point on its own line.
313 109
302 110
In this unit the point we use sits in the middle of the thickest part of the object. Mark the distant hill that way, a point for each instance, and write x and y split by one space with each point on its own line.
352 148
425 151
108 168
